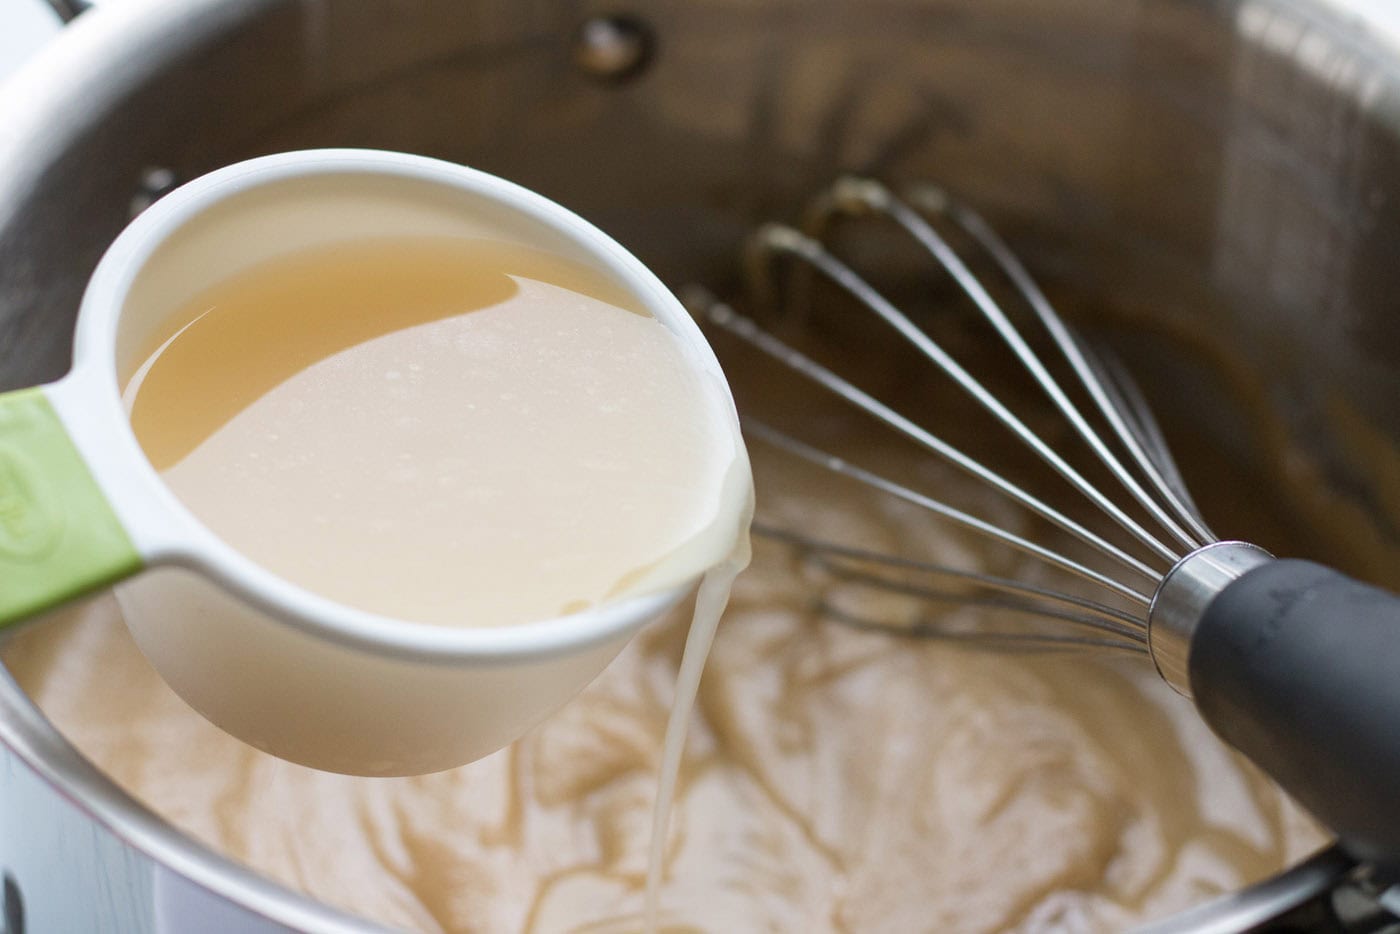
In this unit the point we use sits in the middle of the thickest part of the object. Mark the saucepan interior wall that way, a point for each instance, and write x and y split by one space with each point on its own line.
1214 184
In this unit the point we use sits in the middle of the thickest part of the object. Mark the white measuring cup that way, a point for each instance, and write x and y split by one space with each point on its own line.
286 670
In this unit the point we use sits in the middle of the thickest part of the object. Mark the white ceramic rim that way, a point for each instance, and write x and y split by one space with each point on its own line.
165 532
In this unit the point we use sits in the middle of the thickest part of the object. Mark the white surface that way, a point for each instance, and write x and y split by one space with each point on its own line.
24 26
73 875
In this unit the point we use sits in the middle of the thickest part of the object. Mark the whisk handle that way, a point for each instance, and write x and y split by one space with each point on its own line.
1298 667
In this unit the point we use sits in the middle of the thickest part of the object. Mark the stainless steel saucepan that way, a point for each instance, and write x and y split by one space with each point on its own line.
1220 181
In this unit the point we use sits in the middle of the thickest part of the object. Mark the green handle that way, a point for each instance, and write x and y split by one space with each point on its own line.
59 538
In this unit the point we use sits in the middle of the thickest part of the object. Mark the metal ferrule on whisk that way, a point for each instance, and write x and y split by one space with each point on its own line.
1181 600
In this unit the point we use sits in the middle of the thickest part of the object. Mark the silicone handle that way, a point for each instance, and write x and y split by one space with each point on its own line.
59 538
1298 667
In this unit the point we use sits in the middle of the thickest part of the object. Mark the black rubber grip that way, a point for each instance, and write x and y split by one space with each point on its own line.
1298 667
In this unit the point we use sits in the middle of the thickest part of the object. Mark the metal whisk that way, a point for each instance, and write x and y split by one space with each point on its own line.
1292 663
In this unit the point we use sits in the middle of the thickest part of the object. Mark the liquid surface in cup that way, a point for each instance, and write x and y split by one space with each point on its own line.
451 431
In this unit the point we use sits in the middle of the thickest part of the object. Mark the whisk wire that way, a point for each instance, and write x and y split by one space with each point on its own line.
747 330
1042 600
1138 415
762 432
933 595
1007 642
850 195
782 240
936 201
